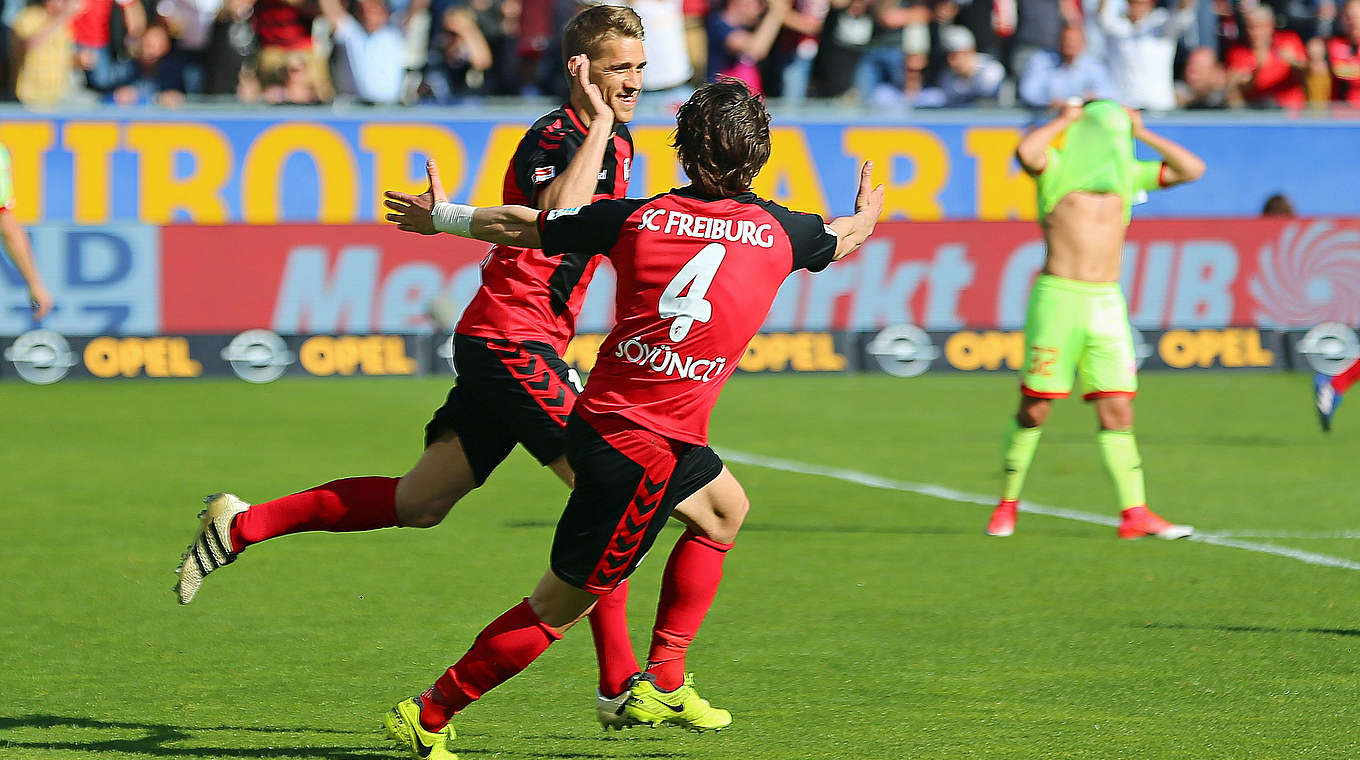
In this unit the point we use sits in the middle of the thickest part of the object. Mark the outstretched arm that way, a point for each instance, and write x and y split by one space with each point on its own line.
1032 152
430 213
852 231
1181 165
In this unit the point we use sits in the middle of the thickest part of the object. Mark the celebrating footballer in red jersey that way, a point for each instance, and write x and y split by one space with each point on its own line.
513 386
698 270
682 327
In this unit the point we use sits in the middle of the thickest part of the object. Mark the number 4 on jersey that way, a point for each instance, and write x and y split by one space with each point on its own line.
697 275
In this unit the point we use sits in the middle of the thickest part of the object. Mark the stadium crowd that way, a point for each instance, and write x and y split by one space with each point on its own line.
882 54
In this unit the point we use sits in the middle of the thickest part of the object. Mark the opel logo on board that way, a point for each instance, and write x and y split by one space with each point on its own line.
903 350
1330 347
258 356
41 357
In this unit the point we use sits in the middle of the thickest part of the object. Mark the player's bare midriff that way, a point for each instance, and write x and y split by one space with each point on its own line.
1084 235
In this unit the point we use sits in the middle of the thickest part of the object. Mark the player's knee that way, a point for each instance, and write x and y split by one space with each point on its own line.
416 510
1117 419
558 604
422 514
1033 412
731 516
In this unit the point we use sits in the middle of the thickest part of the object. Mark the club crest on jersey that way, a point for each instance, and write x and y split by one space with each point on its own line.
627 168
558 213
544 174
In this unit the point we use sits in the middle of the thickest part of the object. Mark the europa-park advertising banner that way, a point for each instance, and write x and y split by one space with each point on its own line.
338 300
296 165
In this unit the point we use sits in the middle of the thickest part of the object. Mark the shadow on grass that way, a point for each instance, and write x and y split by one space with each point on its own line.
1253 629
157 740
922 530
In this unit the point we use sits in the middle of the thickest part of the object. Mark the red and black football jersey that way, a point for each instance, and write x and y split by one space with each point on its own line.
525 294
697 277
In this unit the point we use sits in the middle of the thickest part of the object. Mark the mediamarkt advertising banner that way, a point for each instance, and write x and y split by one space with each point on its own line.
939 276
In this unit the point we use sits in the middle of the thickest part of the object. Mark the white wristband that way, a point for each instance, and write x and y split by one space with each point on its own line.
453 218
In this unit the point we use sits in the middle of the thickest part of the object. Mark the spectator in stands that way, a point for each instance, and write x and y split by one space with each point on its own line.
93 37
1267 71
1053 76
295 83
1206 81
992 23
284 31
669 71
1306 18
1343 56
794 51
845 35
459 59
1140 45
696 37
155 78
943 14
44 52
538 43
1039 25
970 77
372 52
896 24
412 19
190 22
229 59
917 66
740 37
1278 205
498 23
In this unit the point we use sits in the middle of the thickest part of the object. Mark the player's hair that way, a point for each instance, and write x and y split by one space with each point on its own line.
1278 205
597 24
722 134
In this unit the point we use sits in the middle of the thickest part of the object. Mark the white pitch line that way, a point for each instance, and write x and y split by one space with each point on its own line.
950 494
1318 535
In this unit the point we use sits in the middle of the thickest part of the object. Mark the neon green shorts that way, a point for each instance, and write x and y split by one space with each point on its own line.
1076 327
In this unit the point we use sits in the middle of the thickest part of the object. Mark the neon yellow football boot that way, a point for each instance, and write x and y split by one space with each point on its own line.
403 727
682 707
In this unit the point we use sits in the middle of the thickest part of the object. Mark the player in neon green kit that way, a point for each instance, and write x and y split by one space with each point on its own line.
1077 321
16 243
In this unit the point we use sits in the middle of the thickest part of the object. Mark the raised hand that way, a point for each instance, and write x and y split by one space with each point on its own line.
415 213
579 66
869 199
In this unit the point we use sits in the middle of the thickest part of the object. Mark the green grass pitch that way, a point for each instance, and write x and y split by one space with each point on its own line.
853 622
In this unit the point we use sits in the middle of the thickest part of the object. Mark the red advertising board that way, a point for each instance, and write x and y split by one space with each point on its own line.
309 277
938 275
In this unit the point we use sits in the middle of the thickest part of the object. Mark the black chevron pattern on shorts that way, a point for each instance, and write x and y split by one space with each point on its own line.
550 391
629 534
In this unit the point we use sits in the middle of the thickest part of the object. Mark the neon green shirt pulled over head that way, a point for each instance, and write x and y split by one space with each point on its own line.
1096 156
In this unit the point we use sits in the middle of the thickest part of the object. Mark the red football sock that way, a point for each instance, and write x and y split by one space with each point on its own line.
687 590
500 652
338 506
1342 382
613 648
